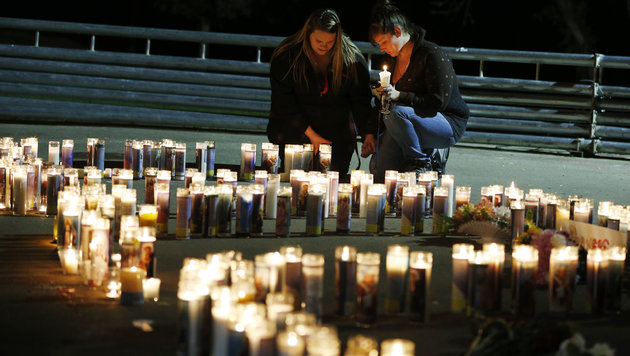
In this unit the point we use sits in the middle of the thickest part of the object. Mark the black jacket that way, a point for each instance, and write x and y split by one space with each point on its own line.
430 86
295 106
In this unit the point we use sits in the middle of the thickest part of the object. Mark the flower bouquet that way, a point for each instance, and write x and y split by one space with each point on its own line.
543 241
482 219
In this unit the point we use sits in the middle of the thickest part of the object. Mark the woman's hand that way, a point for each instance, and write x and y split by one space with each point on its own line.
315 139
369 145
391 93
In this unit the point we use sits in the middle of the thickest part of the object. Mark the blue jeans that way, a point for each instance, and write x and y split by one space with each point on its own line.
406 135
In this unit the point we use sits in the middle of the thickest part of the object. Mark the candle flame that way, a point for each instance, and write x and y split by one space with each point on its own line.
385 68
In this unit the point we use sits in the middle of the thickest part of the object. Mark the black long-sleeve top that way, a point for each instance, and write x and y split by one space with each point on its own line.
295 106
430 86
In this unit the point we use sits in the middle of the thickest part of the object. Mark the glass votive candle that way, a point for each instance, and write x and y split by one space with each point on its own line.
131 286
325 157
397 347
269 157
420 267
562 269
248 162
368 268
151 288
290 343
53 152
524 264
462 195
459 287
69 258
396 263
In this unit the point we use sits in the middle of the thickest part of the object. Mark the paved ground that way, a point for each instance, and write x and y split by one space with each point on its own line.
48 313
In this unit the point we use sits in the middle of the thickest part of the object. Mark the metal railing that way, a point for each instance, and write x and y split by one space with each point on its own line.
586 116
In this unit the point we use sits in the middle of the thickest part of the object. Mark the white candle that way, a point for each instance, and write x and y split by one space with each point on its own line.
384 77
290 343
19 190
69 258
366 180
448 181
397 347
333 191
397 263
151 288
53 152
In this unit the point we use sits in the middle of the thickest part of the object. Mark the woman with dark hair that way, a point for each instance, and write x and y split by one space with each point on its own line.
428 114
320 92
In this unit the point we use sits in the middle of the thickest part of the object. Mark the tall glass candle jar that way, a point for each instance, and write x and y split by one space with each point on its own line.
420 267
210 150
562 269
375 208
345 280
325 157
368 268
524 264
67 153
53 152
313 283
269 157
248 162
283 212
459 288
344 208
396 263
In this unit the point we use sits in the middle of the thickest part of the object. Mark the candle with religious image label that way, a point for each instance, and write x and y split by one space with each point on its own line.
67 153
307 157
375 209
344 208
368 269
248 162
258 208
224 210
244 209
391 177
325 156
269 157
283 212
562 269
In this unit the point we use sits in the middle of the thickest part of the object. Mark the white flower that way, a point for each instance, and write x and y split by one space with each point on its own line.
569 346
558 240
503 212
602 350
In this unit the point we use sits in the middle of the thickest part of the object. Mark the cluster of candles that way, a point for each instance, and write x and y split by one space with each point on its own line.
547 210
100 237
167 155
260 305
478 279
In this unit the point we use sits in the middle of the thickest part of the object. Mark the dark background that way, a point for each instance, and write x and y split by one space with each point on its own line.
573 26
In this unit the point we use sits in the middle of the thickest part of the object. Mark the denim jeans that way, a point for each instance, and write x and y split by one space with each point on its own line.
405 136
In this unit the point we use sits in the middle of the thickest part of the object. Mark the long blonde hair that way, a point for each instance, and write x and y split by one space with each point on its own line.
344 52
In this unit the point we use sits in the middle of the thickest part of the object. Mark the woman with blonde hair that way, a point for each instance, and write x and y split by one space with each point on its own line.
320 92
